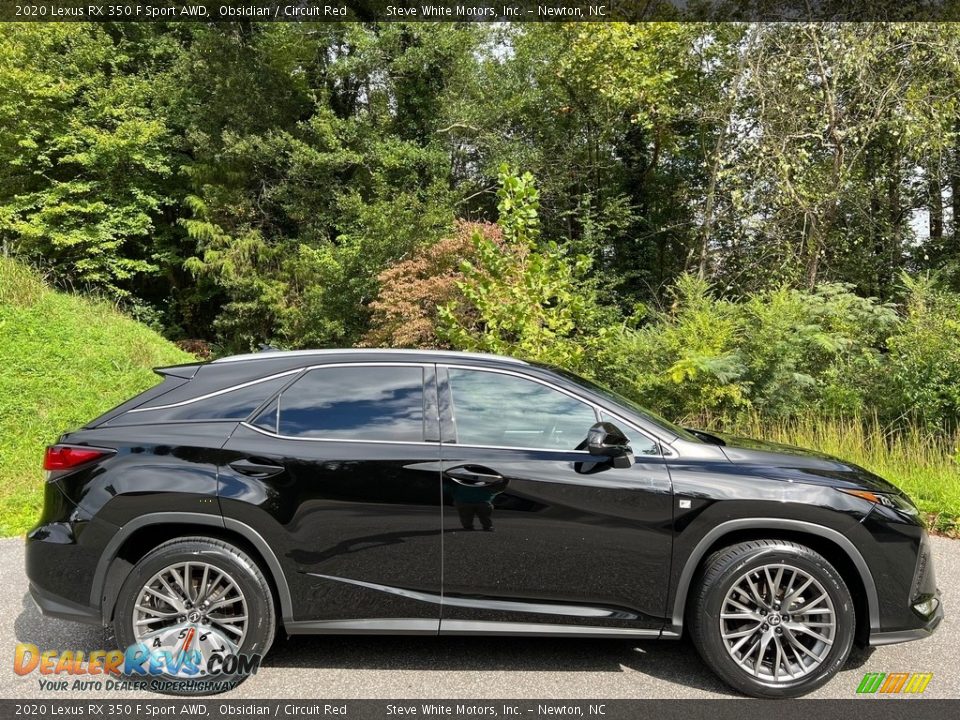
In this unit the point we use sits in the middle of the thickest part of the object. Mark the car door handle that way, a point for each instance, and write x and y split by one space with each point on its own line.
256 469
477 477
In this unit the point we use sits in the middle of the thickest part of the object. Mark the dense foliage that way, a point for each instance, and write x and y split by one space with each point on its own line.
778 353
719 219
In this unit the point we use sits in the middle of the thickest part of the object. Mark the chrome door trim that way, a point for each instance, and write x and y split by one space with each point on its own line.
363 626
496 627
536 608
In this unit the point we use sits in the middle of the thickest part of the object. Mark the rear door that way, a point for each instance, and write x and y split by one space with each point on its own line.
340 474
538 536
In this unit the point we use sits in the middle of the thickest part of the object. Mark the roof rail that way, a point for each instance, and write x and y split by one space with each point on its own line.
453 354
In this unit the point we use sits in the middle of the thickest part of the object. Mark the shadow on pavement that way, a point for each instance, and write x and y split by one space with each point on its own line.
673 661
51 634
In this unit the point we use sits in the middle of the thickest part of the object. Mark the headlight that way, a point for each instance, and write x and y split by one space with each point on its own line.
893 501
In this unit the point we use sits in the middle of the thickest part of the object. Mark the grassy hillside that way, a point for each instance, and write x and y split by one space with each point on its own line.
64 359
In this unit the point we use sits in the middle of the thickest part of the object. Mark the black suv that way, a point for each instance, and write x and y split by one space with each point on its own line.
419 492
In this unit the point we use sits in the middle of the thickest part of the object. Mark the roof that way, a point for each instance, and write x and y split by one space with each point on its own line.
373 352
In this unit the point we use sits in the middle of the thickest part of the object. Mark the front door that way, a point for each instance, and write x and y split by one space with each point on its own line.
341 475
535 532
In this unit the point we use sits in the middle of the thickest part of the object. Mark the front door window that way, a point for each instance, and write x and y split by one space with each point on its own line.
498 410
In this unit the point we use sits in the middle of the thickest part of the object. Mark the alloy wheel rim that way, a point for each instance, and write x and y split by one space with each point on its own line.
778 622
191 607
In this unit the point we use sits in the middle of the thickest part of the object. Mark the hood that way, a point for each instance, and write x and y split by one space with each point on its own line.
794 464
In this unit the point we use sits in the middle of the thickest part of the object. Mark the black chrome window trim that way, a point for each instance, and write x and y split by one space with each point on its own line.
665 450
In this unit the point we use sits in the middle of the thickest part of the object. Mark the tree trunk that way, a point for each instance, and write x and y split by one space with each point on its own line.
955 194
706 231
814 246
877 233
935 203
895 209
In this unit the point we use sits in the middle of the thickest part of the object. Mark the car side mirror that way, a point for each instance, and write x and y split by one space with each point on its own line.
607 440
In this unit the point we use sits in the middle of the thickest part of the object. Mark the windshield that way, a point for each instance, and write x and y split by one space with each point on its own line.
626 402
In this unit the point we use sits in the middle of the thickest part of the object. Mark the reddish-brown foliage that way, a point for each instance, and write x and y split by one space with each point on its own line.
200 348
405 313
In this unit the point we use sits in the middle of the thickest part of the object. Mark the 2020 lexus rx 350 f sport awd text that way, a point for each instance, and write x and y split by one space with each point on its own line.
420 492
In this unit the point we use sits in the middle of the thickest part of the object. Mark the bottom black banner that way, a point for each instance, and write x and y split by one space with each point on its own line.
214 709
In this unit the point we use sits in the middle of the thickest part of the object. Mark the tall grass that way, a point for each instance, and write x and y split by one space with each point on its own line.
924 464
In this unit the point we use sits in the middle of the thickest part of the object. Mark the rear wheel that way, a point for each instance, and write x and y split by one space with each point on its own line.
192 603
772 618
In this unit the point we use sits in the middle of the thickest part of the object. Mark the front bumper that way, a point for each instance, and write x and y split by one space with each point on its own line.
878 639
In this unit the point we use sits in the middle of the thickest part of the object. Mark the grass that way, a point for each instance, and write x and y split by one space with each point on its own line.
925 465
64 359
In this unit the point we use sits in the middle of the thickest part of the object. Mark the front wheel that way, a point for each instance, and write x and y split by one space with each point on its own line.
772 618
196 609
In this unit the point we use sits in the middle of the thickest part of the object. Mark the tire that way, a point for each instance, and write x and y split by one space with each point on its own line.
733 596
198 562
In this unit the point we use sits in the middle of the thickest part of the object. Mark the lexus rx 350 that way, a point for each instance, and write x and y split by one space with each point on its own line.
426 493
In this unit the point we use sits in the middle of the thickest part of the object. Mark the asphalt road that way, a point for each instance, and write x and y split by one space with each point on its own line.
398 667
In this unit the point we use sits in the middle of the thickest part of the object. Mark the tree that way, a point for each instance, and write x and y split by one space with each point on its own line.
413 292
86 168
331 172
528 298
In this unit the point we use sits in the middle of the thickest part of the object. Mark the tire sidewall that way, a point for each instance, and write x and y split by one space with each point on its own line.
712 645
241 569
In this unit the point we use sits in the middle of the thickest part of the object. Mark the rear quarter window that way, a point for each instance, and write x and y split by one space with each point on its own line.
228 404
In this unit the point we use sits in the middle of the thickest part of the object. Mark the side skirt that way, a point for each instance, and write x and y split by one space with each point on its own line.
417 626
392 626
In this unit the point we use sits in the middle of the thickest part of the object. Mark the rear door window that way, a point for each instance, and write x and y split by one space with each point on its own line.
351 403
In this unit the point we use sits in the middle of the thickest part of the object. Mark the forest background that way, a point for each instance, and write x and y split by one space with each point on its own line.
746 227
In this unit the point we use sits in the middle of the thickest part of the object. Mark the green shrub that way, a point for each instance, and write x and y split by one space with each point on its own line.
815 349
923 378
686 361
525 297
779 352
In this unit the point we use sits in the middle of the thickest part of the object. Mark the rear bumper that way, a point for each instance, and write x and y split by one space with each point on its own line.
878 639
60 558
59 607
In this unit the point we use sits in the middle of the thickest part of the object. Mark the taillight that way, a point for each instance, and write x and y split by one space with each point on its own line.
67 457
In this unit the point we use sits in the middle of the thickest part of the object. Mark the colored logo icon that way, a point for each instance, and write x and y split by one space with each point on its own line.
894 683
